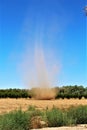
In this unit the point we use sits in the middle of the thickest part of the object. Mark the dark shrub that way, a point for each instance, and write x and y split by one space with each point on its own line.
79 114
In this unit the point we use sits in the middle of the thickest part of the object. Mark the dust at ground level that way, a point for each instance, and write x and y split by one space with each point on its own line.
9 104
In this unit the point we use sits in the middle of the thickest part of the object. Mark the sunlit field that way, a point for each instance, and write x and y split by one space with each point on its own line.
8 104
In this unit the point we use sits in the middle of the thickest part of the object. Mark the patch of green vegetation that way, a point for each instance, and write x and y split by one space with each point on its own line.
20 120
17 120
78 114
54 117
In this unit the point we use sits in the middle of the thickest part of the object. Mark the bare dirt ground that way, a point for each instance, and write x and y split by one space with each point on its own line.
79 127
8 104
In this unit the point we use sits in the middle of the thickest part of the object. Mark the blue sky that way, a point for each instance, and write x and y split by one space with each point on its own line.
60 25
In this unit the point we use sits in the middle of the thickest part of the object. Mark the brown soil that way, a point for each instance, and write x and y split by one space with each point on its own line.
8 104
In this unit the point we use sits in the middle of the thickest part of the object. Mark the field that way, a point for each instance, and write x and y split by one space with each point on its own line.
8 104
55 119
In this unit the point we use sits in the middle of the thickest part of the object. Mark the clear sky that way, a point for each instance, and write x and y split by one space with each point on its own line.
60 25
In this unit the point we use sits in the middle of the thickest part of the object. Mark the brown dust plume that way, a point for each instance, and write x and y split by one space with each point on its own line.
44 87
38 74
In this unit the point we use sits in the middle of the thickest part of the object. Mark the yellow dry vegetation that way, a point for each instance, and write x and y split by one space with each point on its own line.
8 104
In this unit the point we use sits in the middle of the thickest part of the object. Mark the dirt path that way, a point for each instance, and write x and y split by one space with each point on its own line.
79 127
7 105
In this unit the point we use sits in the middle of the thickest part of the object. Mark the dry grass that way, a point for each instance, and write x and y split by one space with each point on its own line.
7 105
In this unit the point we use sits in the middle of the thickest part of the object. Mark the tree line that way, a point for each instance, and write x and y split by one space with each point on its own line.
61 92
13 93
71 92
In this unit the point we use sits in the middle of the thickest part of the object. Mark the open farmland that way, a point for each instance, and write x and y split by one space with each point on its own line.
8 104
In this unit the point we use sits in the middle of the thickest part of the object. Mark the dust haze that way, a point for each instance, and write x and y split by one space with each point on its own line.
43 90
40 68
38 73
